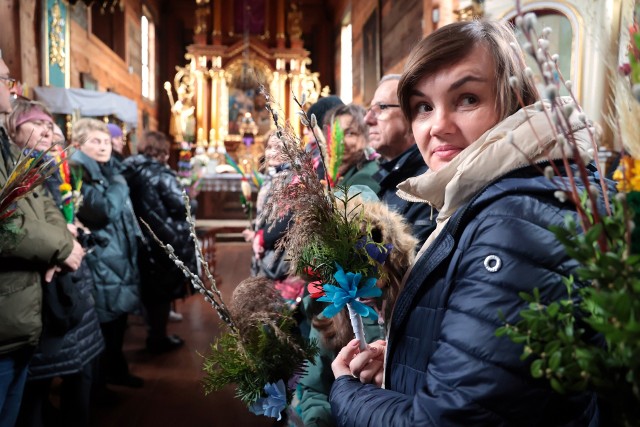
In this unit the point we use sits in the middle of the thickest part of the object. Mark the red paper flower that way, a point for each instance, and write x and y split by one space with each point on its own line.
315 289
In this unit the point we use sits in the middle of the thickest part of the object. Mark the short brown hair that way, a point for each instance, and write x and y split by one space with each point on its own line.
356 112
450 44
155 145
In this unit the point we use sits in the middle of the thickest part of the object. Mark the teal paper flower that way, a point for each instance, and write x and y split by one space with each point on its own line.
275 402
348 292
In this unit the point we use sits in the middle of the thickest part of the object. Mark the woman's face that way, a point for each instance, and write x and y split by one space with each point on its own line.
273 153
36 134
354 140
97 146
454 107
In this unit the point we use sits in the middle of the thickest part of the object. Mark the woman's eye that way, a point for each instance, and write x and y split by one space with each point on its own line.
468 100
423 108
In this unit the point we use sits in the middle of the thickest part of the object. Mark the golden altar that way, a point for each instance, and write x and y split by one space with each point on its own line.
241 48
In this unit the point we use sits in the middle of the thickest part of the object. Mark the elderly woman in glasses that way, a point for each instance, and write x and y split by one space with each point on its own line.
71 338
444 365
43 245
107 211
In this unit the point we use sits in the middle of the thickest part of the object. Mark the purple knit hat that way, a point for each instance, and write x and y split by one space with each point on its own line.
114 130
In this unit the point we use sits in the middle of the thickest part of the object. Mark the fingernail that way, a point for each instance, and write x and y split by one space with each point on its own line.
354 343
374 349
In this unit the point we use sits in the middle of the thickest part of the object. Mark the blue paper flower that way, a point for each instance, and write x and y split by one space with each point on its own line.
348 292
275 402
375 252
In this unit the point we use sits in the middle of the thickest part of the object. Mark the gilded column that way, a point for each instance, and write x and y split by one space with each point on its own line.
214 98
201 104
223 127
294 119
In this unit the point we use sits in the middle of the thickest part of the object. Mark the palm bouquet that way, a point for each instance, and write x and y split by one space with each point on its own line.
331 242
260 351
604 293
31 170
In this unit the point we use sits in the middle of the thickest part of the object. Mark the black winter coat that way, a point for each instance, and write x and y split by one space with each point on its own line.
445 366
157 199
419 216
67 354
106 210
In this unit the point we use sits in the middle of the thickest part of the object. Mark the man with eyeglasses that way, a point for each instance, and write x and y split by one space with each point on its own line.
390 134
43 244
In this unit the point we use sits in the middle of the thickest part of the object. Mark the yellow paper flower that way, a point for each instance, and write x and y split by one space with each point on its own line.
628 174
65 187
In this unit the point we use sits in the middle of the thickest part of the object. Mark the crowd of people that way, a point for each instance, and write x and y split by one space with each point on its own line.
451 145
69 284
459 158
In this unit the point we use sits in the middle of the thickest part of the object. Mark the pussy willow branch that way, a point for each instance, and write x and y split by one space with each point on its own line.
212 295
562 124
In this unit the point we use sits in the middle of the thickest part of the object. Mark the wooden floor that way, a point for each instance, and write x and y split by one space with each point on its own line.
173 394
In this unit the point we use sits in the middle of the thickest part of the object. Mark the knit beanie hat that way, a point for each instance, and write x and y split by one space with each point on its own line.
323 105
114 130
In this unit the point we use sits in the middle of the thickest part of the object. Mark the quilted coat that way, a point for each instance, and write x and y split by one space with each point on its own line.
156 195
44 241
106 210
444 364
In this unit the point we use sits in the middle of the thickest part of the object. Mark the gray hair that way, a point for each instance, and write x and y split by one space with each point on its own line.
389 77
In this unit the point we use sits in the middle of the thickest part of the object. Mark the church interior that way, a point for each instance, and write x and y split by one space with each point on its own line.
202 71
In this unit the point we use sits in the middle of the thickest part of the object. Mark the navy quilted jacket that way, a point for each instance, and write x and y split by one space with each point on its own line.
445 366
419 216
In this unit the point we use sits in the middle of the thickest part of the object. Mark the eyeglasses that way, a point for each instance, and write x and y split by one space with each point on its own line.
380 111
8 82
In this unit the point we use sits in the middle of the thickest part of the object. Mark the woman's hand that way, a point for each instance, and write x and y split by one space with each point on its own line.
74 259
73 229
258 249
248 235
366 365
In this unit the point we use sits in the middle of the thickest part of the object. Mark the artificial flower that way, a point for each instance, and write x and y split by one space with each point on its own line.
376 252
315 289
348 293
274 403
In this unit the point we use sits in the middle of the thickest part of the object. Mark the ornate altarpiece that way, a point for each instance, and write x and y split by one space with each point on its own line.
238 46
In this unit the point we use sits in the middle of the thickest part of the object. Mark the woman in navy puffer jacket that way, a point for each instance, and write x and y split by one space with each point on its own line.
444 365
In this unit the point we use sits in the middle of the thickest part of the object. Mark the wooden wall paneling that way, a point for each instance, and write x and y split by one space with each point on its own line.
360 11
401 30
29 42
10 35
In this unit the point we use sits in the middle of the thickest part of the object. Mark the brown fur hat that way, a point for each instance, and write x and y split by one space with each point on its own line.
255 301
386 227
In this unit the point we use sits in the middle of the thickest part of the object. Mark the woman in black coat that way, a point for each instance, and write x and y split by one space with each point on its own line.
157 199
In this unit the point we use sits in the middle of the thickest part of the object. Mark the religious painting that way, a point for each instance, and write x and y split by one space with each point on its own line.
56 44
247 112
370 56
